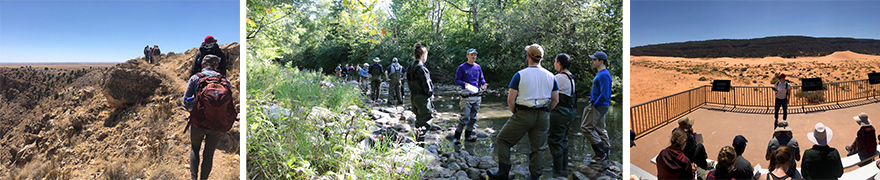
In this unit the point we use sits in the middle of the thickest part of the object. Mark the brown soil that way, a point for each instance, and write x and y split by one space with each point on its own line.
655 77
70 131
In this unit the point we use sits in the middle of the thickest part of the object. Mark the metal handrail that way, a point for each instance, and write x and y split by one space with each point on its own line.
648 116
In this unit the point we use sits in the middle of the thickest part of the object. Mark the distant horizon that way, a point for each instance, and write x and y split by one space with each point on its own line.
750 39
666 21
111 31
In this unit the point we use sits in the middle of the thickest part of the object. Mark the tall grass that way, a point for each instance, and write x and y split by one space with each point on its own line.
304 145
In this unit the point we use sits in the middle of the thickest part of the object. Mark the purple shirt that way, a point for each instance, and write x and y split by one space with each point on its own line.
470 74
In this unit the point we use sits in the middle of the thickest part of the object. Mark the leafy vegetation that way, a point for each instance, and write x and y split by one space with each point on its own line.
304 145
318 35
782 46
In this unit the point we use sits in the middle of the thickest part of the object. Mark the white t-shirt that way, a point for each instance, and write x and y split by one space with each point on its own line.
564 84
781 90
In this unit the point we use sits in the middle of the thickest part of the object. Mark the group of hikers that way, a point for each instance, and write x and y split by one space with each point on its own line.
208 99
543 105
685 157
152 53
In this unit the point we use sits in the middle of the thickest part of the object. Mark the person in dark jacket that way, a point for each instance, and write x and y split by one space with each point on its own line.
209 46
694 150
148 53
742 169
865 143
672 163
726 162
376 70
821 161
421 91
157 54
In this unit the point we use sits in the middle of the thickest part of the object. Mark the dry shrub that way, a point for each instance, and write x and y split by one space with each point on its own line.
40 170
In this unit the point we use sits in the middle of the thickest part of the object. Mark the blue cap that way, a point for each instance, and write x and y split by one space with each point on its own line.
599 55
472 50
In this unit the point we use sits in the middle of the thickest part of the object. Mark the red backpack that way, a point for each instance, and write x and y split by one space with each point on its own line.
214 110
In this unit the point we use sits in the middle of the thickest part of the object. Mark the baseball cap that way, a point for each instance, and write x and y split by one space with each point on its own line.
210 38
535 51
394 59
739 141
599 55
781 75
472 50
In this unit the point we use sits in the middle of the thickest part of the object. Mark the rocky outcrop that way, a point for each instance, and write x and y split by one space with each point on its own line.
128 83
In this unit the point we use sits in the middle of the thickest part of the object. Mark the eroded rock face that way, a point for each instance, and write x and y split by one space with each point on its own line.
126 84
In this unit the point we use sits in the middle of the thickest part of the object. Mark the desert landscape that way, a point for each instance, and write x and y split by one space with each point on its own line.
104 121
62 66
653 77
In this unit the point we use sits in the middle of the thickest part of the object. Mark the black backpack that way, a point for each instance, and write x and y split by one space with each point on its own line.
210 48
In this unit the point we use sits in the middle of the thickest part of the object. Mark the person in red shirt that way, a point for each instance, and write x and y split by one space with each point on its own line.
672 163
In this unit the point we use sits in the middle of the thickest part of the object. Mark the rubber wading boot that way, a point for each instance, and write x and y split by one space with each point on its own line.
501 174
599 151
535 177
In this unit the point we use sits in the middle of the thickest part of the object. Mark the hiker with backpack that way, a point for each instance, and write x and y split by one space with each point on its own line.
783 92
147 54
208 98
209 46
156 53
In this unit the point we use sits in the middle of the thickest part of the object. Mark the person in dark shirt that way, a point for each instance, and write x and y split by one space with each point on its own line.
375 71
421 91
742 169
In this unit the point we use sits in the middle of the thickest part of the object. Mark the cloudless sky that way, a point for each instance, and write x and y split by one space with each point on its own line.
110 31
657 22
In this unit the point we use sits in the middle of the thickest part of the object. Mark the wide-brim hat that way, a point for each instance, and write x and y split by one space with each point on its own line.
376 59
782 126
821 135
862 119
686 122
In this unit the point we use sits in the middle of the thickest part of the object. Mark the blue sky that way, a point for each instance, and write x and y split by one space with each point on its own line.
110 31
656 22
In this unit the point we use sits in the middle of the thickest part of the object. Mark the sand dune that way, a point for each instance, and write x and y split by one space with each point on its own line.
653 77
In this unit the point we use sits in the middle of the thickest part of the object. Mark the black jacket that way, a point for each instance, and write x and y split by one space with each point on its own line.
205 49
419 79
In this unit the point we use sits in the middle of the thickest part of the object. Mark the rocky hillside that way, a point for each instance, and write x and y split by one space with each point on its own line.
122 122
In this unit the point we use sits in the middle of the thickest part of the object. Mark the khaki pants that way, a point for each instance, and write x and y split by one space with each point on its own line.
594 125
533 122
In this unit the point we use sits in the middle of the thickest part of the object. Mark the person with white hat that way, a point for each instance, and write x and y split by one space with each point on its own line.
784 137
866 141
821 161
375 71
365 75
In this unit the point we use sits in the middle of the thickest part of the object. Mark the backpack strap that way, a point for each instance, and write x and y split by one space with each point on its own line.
571 78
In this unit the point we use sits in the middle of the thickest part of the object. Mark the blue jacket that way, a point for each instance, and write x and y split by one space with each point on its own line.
600 94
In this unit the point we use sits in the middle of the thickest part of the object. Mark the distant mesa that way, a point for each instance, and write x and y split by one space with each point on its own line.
779 46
